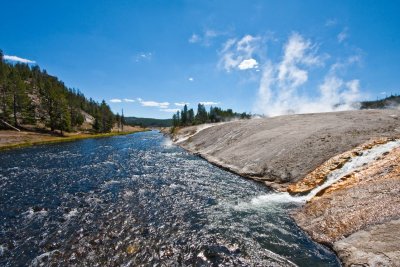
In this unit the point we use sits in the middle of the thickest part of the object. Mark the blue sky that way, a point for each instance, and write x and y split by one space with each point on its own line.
269 57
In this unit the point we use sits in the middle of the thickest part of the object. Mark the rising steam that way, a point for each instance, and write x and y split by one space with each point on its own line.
281 83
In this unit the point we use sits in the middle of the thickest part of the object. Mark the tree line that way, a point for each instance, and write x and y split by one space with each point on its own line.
187 117
30 96
390 101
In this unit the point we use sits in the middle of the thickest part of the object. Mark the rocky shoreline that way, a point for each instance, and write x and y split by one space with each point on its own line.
357 216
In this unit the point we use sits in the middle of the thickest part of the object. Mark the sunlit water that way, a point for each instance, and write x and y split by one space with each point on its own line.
138 200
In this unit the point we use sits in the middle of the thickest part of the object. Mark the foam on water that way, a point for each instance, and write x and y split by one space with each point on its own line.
283 197
38 261
31 212
168 143
71 214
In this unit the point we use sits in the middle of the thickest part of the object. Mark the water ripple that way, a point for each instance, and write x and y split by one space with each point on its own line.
138 200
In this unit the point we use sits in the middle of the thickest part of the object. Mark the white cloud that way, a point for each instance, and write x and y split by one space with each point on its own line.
191 79
210 34
162 105
343 64
155 104
181 104
194 38
279 90
18 59
129 100
144 56
209 103
115 100
343 35
206 37
248 64
298 52
172 110
247 44
239 53
331 22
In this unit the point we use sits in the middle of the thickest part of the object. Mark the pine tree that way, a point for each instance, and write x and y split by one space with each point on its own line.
122 120
190 116
201 116
175 121
5 93
184 116
20 100
118 120
63 116
29 93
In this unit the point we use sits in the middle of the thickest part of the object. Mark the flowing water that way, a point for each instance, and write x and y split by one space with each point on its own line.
354 163
139 200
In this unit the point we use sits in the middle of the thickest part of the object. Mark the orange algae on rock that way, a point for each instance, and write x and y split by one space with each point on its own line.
367 196
320 174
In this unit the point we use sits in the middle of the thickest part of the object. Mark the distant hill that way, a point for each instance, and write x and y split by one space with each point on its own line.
29 96
148 122
388 102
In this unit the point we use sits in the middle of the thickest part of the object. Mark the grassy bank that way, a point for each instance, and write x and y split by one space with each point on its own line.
29 139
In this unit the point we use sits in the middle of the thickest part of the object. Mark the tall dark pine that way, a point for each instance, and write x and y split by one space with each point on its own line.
190 116
122 120
184 115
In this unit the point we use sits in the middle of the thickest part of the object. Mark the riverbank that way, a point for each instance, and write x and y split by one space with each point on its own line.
14 139
295 153
358 216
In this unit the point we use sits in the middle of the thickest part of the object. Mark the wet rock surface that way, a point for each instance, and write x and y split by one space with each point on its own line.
354 214
375 246
320 174
281 150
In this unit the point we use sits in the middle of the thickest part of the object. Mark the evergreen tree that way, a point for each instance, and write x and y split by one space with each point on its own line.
104 119
29 93
5 93
216 114
122 120
63 119
20 100
184 116
190 116
118 120
201 116
175 121
96 124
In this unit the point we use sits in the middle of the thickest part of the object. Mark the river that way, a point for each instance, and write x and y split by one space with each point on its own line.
139 200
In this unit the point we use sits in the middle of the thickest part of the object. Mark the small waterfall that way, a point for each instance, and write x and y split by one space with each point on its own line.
354 163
